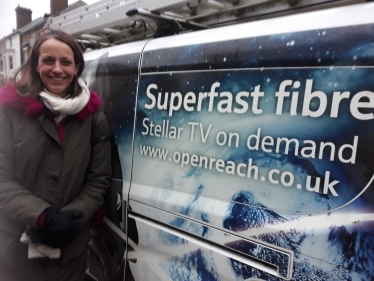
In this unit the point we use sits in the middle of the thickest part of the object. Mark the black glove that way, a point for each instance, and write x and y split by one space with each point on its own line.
59 228
39 236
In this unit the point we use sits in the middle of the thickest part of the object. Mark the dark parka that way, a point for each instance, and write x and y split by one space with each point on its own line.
36 171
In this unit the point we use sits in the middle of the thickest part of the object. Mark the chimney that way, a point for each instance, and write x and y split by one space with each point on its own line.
23 16
58 5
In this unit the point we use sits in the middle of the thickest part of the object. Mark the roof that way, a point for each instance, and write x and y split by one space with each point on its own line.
40 22
35 24
14 32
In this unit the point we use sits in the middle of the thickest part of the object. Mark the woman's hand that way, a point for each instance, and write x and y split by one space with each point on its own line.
59 228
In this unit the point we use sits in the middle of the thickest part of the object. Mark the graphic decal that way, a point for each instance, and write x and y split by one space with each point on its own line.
273 146
314 139
343 46
197 267
123 79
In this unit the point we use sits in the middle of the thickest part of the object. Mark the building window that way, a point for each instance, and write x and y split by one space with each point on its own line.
10 42
25 54
10 62
1 66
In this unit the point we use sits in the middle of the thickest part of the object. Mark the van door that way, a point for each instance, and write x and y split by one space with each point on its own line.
252 154
113 73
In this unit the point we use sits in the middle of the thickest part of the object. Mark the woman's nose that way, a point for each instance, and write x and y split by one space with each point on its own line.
57 67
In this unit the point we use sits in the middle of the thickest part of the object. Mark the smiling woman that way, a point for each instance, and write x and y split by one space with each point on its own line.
56 66
53 170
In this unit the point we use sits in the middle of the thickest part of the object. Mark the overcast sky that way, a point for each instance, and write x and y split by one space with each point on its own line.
38 8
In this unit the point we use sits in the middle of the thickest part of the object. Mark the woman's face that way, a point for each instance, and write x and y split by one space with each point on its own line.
56 66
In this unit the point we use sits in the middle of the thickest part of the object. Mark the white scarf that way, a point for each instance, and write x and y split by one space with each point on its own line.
69 106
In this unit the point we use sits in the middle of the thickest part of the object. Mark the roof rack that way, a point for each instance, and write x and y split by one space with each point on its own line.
111 22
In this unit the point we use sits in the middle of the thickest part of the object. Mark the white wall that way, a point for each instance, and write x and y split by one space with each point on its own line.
12 48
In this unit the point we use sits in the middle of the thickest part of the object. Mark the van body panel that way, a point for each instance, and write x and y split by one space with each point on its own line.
246 136
312 147
113 73
273 260
122 103
300 40
247 150
169 255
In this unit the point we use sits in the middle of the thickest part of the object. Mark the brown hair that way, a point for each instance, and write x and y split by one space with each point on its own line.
27 80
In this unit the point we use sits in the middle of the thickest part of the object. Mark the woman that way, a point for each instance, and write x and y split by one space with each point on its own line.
54 169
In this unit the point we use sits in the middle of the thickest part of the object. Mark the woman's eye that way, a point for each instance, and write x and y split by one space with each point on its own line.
66 62
48 61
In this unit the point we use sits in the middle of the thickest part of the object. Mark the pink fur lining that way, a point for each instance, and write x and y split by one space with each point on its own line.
32 106
29 105
91 107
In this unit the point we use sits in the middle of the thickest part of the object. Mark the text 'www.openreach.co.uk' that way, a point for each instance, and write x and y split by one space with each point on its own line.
244 170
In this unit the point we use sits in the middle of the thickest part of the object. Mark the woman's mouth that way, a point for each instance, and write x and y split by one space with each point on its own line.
57 78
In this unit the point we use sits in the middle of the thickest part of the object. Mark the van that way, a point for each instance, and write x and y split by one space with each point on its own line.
242 152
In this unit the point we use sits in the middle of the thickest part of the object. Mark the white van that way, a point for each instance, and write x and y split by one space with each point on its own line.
241 153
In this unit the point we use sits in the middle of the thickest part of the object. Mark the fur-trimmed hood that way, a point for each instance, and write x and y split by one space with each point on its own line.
33 106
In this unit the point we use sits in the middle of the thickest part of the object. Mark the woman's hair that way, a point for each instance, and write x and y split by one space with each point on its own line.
27 80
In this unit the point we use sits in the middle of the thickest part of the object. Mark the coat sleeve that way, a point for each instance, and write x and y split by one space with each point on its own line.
98 173
17 203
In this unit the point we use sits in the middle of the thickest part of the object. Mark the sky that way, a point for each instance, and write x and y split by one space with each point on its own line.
38 8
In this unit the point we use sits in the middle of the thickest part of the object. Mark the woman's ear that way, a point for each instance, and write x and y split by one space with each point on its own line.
76 69
37 69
